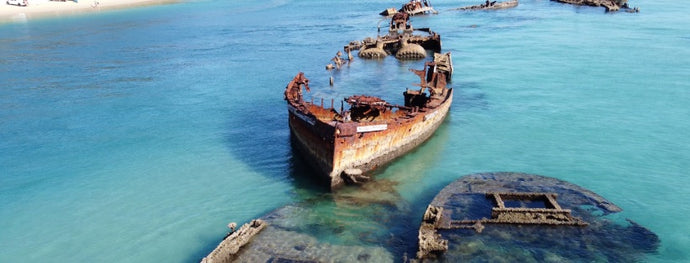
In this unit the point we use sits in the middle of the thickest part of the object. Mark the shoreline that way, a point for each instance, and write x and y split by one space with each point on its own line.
47 9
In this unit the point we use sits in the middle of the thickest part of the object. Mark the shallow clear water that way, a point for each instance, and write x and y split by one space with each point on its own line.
137 135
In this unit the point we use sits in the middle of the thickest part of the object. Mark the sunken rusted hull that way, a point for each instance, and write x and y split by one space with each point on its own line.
336 146
493 6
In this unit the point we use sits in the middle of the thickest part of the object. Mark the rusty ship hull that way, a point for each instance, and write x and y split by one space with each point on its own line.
342 151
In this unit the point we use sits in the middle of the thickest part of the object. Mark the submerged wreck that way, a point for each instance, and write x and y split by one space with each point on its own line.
231 245
343 146
489 5
517 218
414 7
498 216
610 5
400 41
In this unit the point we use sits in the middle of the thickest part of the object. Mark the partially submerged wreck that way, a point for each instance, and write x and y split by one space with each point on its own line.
234 241
400 41
491 5
343 145
414 7
553 219
610 5
444 64
517 218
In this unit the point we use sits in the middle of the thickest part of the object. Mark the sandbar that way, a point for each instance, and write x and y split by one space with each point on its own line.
44 8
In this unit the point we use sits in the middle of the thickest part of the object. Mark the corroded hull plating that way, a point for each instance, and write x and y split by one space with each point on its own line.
366 151
331 154
343 145
313 139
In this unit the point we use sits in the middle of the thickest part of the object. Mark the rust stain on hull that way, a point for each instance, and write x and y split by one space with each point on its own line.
344 145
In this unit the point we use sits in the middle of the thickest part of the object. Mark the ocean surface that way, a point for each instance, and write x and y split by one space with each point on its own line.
136 135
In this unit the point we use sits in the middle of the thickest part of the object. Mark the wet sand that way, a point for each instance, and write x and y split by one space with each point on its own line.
42 9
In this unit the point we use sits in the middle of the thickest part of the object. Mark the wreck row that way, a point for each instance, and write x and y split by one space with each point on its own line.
344 145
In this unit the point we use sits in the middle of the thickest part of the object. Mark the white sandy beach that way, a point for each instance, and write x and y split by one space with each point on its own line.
45 8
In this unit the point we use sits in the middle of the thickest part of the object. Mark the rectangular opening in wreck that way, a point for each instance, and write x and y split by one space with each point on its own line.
517 208
471 205
524 200
524 203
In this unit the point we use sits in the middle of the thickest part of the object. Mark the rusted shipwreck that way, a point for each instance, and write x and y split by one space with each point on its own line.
518 212
234 241
609 5
400 41
343 145
552 214
491 5
414 7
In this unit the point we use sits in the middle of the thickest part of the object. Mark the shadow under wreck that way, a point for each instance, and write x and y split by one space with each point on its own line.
343 145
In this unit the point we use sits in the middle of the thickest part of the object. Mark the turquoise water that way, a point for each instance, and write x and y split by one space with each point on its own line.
137 135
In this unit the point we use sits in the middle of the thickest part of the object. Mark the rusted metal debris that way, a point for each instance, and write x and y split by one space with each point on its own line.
339 61
430 241
399 41
293 92
444 64
491 5
609 5
413 7
550 214
230 246
345 144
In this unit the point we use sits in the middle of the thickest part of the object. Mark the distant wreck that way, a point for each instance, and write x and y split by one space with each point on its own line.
610 5
400 41
414 7
343 145
517 212
491 5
